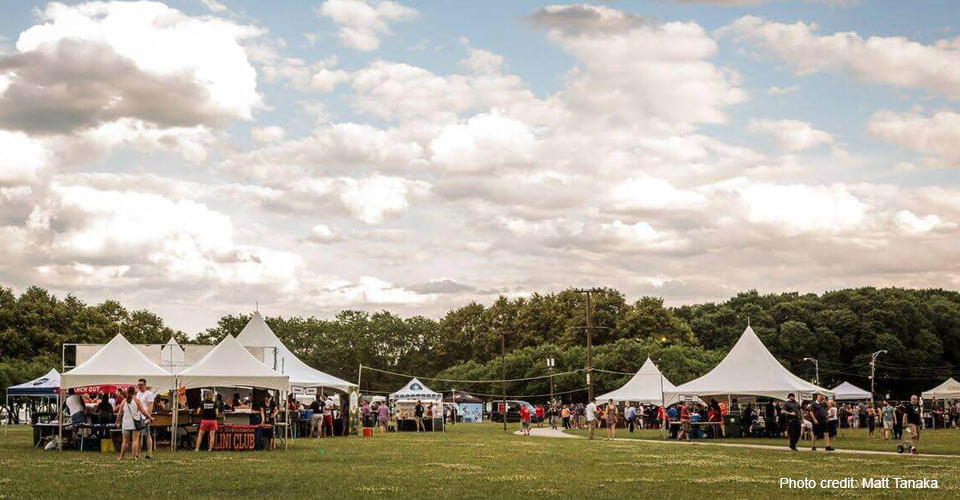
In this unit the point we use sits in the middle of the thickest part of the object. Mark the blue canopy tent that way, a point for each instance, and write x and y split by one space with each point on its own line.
45 387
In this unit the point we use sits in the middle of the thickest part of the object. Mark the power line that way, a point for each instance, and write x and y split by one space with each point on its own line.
494 381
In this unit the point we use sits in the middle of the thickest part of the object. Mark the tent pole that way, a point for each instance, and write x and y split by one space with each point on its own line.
60 419
663 400
175 396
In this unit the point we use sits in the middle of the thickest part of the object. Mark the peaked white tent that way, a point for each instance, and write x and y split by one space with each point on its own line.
415 390
849 392
118 362
172 356
950 389
647 386
257 333
230 364
749 370
47 385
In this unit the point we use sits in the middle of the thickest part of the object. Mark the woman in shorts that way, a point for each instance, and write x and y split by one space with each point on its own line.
209 411
131 416
886 418
383 416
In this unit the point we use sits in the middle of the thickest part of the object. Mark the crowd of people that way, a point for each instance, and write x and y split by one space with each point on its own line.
131 409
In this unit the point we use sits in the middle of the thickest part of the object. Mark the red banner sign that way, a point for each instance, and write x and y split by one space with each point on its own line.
236 437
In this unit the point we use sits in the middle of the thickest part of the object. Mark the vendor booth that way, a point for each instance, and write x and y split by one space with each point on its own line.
303 377
647 386
469 408
229 364
748 370
405 401
118 362
849 392
948 390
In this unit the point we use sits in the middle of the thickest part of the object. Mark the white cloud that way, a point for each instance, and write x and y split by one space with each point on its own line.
189 142
321 233
363 23
98 62
795 209
268 134
22 158
893 60
937 135
775 90
790 135
910 223
640 194
483 143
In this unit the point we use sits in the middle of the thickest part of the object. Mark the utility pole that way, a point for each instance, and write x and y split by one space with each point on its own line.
503 375
873 371
588 292
816 365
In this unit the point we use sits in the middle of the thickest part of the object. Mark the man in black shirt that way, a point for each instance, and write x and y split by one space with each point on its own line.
792 411
911 422
818 415
418 416
268 414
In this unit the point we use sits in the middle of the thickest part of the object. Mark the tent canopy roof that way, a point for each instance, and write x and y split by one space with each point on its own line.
118 362
749 370
950 389
647 386
230 364
46 385
257 333
415 390
849 392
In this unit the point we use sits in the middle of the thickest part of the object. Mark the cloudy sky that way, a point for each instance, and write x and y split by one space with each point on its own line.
197 156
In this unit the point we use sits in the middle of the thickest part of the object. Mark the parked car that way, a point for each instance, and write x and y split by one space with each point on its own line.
513 411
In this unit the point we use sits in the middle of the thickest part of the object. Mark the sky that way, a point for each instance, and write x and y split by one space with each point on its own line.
198 157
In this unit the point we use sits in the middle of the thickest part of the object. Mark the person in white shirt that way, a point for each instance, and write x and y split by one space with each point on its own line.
591 416
327 417
77 409
147 398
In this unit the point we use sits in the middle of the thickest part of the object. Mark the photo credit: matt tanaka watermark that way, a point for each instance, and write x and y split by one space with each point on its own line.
878 483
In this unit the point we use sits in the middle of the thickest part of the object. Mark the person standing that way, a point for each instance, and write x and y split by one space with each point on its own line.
591 414
911 422
833 421
327 416
209 412
886 420
268 415
77 409
871 421
565 417
540 415
684 422
104 415
631 414
383 416
524 420
132 418
418 416
818 416
792 412
612 414
146 396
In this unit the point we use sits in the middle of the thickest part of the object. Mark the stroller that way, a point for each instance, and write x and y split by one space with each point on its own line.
905 445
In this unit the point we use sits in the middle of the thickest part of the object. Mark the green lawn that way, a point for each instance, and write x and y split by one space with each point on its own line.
940 441
470 461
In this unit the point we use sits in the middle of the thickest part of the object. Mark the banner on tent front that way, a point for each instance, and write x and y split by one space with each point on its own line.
236 437
108 389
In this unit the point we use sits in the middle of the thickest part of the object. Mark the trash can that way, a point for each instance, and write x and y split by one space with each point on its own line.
731 425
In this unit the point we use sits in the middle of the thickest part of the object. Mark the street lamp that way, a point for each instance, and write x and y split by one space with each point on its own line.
816 365
551 363
873 370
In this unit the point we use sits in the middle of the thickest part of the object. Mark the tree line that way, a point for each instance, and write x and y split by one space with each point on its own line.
920 329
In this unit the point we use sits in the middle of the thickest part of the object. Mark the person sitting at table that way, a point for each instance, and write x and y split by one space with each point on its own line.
268 415
209 412
132 417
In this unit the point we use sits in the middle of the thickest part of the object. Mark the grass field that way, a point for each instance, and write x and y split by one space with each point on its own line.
940 441
469 461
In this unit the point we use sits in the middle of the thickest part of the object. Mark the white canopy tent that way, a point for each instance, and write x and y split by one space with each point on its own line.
415 390
257 333
647 386
118 362
950 389
172 356
849 392
749 370
230 364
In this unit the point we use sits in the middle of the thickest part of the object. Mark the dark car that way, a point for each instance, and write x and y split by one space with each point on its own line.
513 411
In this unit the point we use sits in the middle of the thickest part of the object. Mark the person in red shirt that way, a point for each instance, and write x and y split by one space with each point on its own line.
684 422
539 415
524 420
